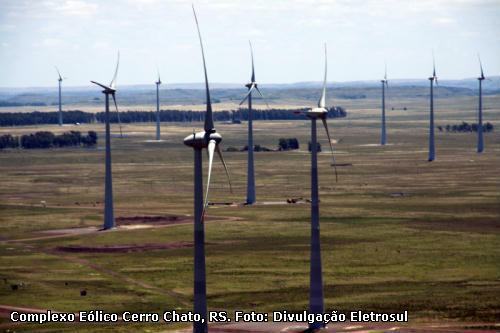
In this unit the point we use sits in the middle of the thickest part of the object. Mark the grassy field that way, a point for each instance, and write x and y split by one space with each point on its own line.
398 233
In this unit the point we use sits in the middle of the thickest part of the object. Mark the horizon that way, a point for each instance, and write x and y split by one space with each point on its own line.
217 85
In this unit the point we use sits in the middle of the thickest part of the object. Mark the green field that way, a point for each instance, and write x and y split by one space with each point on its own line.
398 233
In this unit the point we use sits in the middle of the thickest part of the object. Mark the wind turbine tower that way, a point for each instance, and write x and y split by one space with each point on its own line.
316 299
60 79
109 220
480 140
383 139
432 79
158 107
252 85
207 139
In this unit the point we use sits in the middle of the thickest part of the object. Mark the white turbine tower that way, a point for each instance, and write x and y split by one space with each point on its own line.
252 85
480 140
385 85
60 79
109 220
316 299
158 107
432 79
207 139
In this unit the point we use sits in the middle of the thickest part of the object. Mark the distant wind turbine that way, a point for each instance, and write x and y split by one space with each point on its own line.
158 107
252 85
208 139
109 220
432 79
316 299
60 79
480 140
384 82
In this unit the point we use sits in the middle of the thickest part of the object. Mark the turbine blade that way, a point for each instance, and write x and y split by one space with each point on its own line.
331 147
219 152
159 79
322 100
209 123
101 85
248 94
113 82
118 115
253 68
433 65
58 73
385 73
265 101
481 66
211 148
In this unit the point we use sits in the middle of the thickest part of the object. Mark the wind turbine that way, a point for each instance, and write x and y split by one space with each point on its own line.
316 299
209 139
158 107
384 85
480 141
60 79
432 79
109 220
252 85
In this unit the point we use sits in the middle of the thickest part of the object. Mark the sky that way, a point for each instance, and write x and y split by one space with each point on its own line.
82 38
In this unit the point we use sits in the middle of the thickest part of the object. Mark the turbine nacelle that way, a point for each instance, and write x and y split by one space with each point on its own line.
107 89
200 140
317 113
250 84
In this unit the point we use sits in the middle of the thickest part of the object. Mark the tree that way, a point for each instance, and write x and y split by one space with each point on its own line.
48 140
283 144
288 143
318 146
9 141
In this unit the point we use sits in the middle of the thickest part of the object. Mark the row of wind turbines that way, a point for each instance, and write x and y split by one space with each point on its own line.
433 80
252 86
210 140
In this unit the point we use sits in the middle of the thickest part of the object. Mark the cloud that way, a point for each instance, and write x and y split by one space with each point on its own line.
48 42
77 8
101 45
443 20
7 27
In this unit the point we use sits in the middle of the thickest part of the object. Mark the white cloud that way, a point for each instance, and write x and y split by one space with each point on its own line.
444 20
101 46
47 42
77 8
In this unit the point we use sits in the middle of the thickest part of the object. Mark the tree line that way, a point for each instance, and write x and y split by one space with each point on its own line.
74 117
46 139
466 127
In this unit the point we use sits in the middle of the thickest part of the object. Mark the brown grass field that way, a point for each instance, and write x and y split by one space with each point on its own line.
398 233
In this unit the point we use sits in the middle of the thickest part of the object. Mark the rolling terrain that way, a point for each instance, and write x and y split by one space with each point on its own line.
398 233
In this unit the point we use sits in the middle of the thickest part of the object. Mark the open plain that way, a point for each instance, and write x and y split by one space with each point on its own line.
398 233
